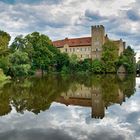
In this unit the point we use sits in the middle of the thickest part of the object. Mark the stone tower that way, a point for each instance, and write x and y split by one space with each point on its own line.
98 39
98 109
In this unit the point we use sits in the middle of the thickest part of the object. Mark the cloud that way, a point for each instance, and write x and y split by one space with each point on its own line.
133 15
39 134
95 16
71 18
71 125
30 1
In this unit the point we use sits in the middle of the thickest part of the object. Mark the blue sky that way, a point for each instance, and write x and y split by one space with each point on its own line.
72 18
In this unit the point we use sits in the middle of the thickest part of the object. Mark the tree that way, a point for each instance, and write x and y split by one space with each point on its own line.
110 56
84 66
97 66
4 64
62 60
73 65
42 54
19 64
127 59
42 50
4 41
18 44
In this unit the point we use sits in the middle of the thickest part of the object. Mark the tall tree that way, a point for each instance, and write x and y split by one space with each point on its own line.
4 41
19 64
110 56
41 50
128 60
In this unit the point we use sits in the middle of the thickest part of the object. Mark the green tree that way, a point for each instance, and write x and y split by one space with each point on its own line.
4 64
42 50
4 41
62 60
110 56
84 66
97 66
73 65
20 64
128 60
18 44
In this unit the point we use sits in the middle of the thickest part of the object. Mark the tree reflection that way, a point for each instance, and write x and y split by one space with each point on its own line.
37 94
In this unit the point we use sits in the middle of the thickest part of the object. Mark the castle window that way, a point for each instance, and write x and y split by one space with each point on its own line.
77 49
81 56
80 49
73 49
97 50
85 49
66 50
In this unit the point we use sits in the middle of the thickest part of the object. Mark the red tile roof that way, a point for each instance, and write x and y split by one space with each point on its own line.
84 41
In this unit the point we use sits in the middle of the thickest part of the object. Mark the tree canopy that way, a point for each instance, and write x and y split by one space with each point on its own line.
109 56
4 41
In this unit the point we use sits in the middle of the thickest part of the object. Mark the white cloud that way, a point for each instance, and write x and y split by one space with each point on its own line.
67 18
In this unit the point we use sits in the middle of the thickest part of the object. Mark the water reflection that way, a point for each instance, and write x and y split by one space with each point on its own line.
97 92
102 92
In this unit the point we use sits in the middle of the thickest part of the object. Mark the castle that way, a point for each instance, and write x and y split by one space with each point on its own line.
88 47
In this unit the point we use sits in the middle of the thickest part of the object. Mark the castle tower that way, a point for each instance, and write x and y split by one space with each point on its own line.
98 39
98 109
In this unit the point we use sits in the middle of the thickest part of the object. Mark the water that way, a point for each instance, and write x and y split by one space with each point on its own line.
71 108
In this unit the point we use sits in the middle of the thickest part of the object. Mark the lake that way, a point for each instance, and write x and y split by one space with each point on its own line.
86 107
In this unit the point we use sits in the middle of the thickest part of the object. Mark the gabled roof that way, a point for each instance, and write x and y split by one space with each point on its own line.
84 41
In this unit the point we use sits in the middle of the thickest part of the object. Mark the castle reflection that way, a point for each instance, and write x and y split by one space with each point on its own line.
36 95
89 97
98 96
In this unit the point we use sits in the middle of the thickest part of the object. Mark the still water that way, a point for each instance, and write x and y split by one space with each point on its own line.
71 108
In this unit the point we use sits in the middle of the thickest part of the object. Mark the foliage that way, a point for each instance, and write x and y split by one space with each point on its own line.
20 64
128 60
62 60
41 55
109 56
4 41
18 44
35 52
3 77
97 66
4 64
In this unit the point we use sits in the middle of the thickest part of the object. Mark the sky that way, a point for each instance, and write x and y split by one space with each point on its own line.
72 18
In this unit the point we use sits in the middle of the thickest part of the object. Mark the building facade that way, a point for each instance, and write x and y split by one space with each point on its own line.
88 47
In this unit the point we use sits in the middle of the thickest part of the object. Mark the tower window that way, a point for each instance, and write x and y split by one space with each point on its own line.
77 49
